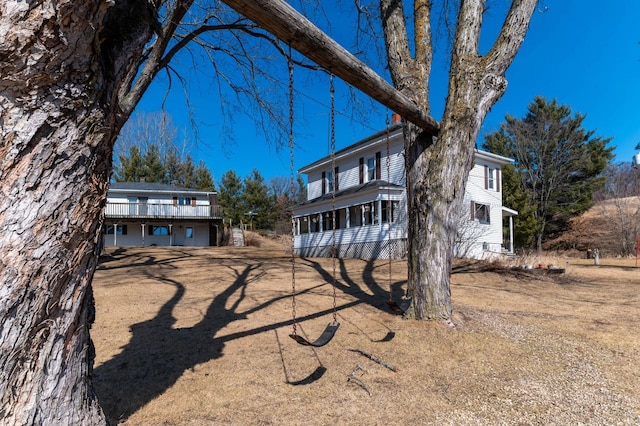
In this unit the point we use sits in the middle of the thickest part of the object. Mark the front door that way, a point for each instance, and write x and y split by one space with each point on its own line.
189 236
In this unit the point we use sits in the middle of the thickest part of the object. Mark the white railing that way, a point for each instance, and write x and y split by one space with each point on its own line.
162 211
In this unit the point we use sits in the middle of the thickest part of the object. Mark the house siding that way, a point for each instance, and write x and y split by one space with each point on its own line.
483 238
181 216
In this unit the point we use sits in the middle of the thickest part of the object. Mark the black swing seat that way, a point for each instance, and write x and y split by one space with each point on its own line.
324 338
399 308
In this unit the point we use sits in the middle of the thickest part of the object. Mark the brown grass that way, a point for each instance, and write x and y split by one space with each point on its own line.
199 336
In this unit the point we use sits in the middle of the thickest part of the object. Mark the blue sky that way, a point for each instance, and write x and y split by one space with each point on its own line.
584 53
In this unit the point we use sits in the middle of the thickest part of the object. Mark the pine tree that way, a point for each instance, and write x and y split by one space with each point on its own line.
558 166
259 201
202 178
230 197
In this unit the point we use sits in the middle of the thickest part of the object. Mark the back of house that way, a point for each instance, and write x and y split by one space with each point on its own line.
145 213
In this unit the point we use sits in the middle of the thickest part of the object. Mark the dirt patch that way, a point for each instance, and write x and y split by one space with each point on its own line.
200 336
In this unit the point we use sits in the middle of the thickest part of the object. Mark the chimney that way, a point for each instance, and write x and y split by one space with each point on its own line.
395 118
142 179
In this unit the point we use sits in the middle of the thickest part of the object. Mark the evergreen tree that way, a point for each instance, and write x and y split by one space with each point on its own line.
130 168
230 197
302 189
259 201
153 168
558 166
202 178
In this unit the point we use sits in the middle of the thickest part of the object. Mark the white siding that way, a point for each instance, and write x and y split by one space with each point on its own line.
482 239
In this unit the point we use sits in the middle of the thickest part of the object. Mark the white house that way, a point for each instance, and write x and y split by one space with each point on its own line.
143 214
371 208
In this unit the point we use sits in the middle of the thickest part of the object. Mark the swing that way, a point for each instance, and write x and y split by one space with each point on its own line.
393 305
330 331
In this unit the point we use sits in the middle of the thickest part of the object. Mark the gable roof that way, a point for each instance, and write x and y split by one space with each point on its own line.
394 131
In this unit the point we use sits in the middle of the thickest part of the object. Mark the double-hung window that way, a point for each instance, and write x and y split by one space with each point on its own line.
371 169
481 212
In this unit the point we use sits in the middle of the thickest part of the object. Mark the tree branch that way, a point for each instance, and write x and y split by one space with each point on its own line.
281 20
468 28
511 36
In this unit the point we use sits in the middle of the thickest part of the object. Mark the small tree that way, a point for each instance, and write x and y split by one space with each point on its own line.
259 201
202 177
558 163
619 204
468 233
230 197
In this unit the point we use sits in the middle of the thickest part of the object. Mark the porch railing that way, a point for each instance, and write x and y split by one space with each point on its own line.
161 211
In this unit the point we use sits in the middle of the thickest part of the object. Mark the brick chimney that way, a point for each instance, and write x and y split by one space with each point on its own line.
395 118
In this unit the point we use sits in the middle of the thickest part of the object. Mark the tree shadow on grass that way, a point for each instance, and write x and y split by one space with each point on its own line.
158 354
371 292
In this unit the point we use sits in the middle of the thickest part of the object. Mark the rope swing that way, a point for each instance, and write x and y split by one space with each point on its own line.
332 327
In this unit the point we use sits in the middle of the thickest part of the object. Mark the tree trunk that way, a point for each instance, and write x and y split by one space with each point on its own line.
437 170
58 121
54 178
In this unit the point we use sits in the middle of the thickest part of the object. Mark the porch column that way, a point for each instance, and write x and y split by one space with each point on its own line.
320 222
115 234
143 227
170 235
510 234
347 217
379 211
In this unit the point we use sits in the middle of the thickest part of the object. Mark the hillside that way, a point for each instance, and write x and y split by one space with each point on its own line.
609 226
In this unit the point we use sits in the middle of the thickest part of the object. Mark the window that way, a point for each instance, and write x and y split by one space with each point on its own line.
389 209
122 230
481 212
188 232
369 214
355 216
315 223
327 221
330 181
491 177
158 230
184 201
371 169
304 225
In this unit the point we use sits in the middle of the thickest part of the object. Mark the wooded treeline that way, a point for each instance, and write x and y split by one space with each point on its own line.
149 150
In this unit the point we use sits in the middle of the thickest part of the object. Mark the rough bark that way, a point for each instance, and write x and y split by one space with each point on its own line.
437 170
59 117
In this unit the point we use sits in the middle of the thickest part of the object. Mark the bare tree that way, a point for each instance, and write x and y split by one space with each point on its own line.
72 74
469 233
437 170
619 205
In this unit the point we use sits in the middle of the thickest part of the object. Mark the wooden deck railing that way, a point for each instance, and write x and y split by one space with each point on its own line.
161 211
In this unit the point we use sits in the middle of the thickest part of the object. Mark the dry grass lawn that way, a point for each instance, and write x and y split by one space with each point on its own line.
199 336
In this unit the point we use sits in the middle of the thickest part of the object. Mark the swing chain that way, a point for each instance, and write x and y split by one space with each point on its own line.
292 193
389 210
334 250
